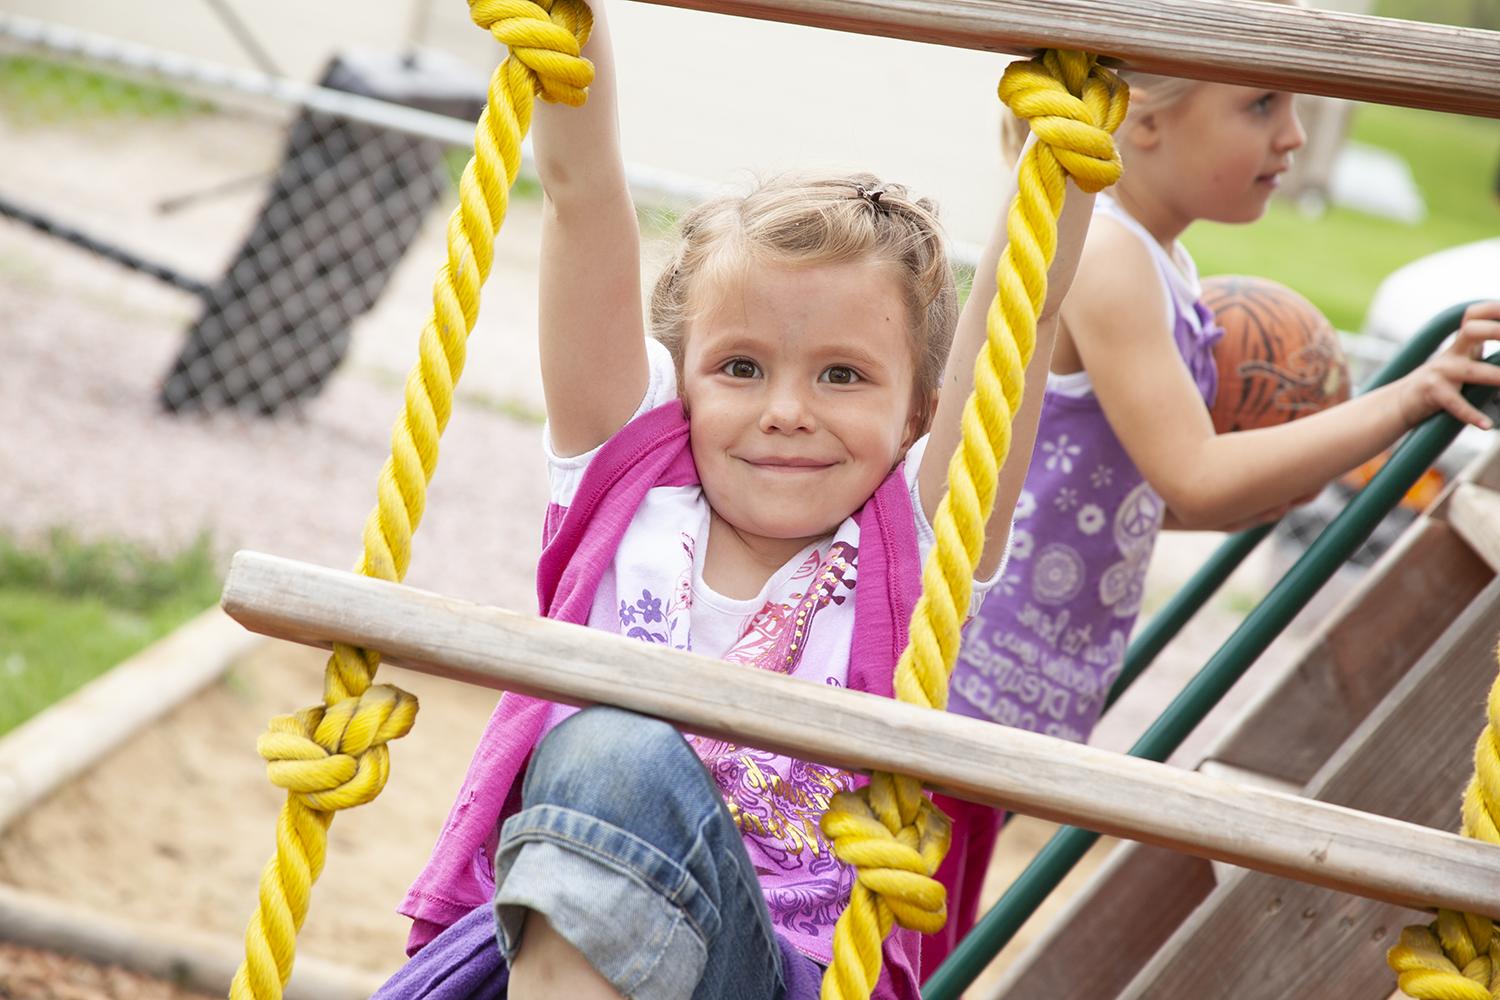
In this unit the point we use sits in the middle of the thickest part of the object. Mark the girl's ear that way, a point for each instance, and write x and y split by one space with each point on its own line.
919 421
1144 131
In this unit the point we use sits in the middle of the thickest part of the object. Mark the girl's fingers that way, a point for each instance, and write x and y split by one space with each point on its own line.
1464 410
1483 310
1476 331
1476 372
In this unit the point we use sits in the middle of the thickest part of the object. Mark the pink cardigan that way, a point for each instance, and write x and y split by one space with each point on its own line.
579 544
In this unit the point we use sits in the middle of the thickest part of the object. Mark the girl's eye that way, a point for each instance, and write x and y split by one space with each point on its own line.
841 375
1264 103
741 368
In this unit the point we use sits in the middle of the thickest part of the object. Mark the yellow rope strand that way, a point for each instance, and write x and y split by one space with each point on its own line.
889 830
1457 956
334 756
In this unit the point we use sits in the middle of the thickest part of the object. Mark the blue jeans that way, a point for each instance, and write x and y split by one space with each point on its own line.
623 842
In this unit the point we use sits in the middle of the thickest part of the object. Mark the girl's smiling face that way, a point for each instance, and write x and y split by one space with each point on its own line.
799 384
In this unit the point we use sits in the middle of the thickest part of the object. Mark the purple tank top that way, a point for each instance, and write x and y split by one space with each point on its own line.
1050 638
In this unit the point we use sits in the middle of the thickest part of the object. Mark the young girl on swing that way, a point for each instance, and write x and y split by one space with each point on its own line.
756 483
1125 441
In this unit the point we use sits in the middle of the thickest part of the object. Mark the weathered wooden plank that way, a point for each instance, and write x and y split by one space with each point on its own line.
1483 470
65 740
995 765
1474 512
1401 607
1409 760
188 959
1240 776
1282 47
1110 929
1128 910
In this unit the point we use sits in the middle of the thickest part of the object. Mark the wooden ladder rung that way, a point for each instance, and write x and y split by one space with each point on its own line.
1253 779
995 765
1280 47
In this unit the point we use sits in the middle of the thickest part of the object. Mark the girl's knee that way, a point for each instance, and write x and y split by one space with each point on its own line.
603 729
603 740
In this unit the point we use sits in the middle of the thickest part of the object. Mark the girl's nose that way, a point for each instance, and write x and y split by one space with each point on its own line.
787 410
1291 135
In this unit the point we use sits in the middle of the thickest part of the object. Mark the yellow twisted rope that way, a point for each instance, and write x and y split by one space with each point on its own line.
889 830
1457 956
334 756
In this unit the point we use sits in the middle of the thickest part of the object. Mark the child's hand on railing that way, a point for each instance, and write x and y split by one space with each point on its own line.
1438 384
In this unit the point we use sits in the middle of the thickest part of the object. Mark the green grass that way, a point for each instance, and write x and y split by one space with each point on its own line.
1467 13
513 407
41 90
963 281
455 158
70 610
1338 260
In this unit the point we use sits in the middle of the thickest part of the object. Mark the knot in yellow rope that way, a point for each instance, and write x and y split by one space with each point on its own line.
889 830
546 38
335 757
1424 969
895 838
895 846
1457 956
1074 106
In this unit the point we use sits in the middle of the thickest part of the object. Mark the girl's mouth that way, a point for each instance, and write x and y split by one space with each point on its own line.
788 464
1272 178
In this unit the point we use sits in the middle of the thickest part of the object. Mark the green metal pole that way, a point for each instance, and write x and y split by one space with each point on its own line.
1330 550
1163 626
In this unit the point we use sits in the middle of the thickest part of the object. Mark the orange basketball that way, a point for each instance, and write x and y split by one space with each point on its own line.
1280 358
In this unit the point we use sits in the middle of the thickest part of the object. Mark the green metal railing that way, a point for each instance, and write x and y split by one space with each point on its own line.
1333 546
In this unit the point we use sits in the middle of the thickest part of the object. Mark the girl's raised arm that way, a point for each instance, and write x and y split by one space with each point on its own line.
958 375
593 353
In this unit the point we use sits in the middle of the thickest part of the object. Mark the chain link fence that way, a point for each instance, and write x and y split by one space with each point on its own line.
335 212
212 285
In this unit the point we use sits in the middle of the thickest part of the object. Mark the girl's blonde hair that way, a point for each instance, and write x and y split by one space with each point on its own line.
802 220
1148 92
